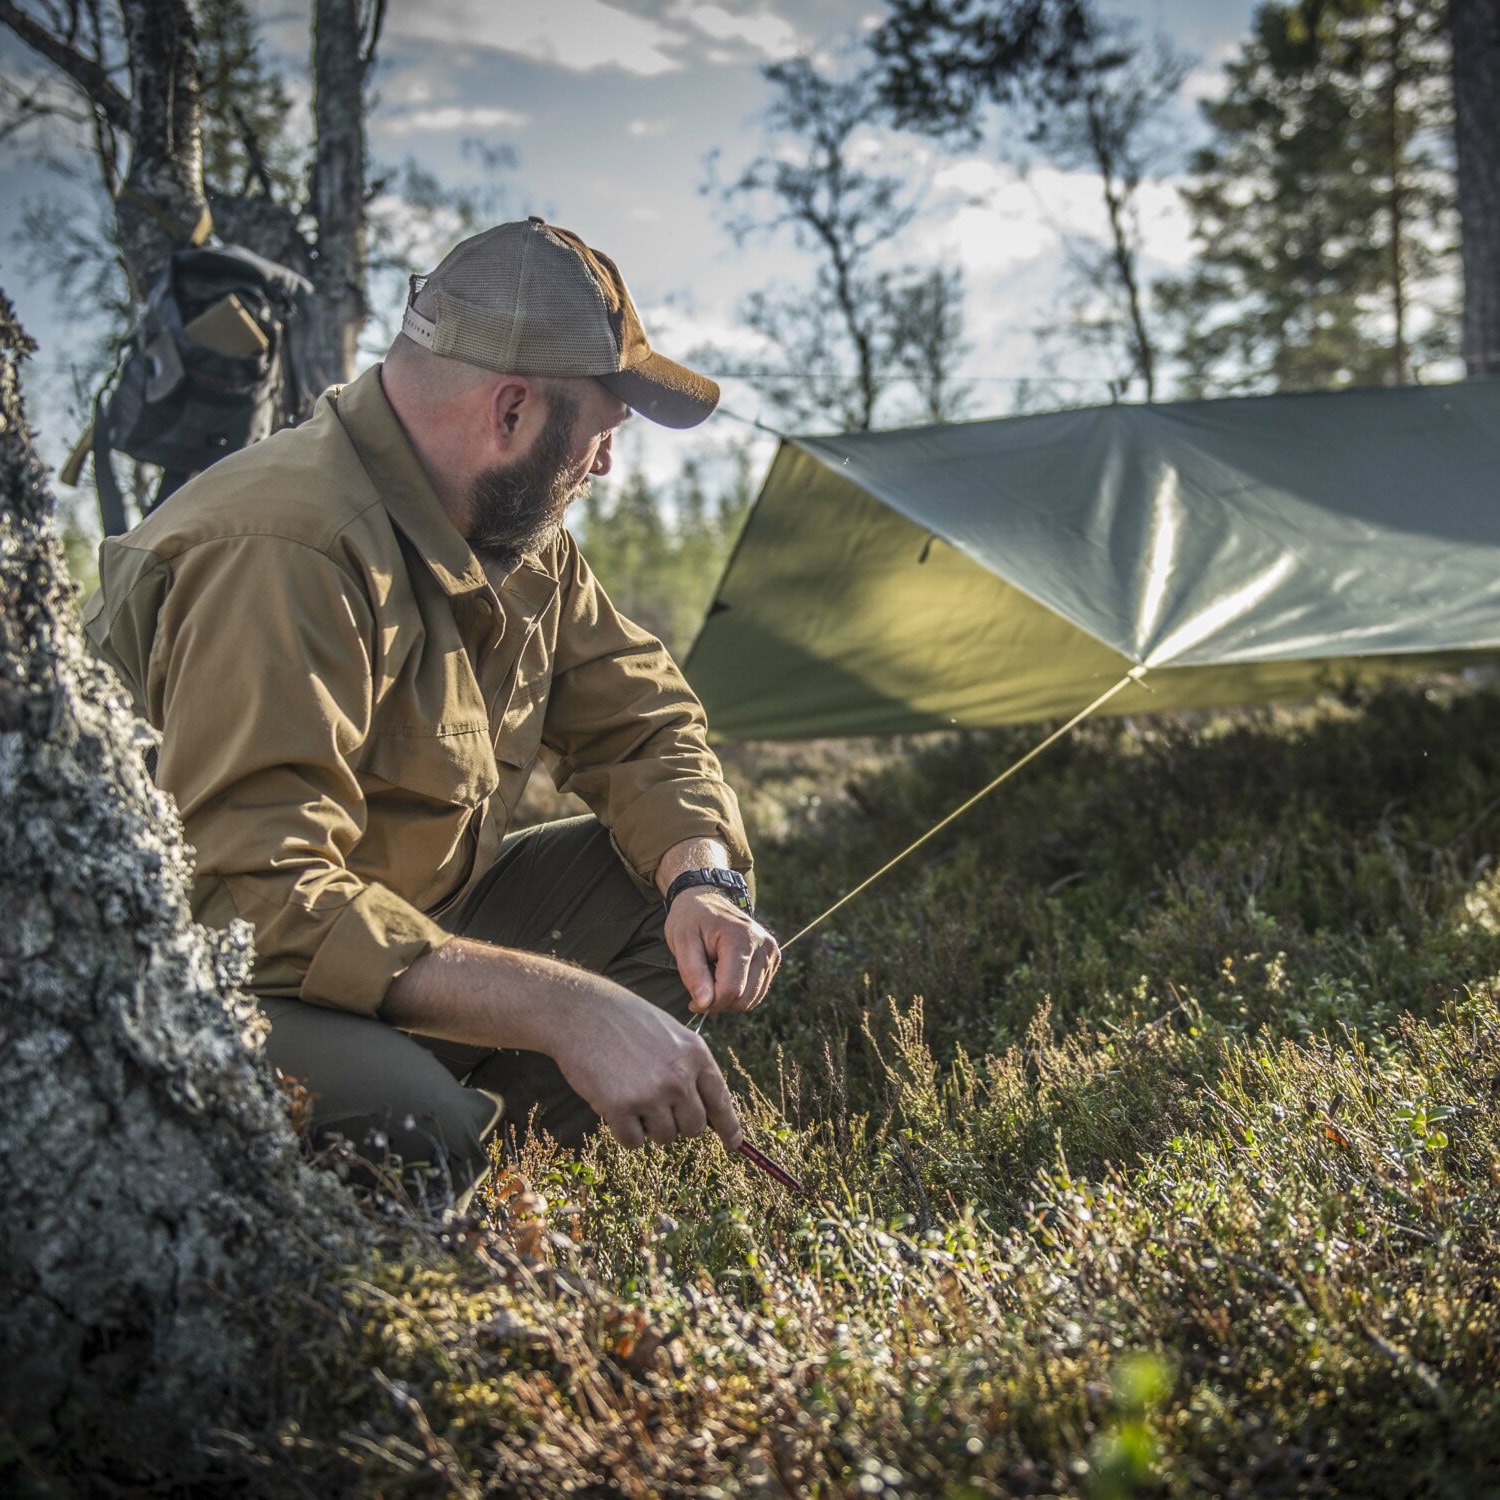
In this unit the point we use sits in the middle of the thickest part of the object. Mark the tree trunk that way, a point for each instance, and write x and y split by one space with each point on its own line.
162 204
338 192
150 1186
1476 97
1122 252
1396 146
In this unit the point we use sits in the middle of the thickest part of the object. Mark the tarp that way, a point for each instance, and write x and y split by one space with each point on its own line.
996 572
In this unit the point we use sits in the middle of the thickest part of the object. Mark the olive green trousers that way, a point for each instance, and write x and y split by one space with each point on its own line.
559 889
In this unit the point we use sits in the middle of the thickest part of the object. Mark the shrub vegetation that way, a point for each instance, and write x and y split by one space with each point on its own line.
1150 1121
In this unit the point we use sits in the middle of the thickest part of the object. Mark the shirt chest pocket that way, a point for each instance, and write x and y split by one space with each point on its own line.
452 766
518 732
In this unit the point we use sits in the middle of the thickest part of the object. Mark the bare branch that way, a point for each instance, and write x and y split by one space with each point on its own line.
373 25
87 72
20 107
253 154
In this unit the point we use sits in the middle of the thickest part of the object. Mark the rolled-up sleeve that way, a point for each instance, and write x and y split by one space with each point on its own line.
628 733
261 672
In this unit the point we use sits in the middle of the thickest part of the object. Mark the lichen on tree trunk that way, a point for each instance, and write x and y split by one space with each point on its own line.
162 201
150 1185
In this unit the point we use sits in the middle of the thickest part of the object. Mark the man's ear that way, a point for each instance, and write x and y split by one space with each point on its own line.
516 415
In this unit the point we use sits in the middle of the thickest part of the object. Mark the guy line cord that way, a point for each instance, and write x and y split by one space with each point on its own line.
1135 674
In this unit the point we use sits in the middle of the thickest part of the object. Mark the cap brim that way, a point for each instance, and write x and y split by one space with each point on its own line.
665 392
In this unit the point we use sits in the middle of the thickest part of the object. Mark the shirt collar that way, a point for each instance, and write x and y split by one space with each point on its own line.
402 484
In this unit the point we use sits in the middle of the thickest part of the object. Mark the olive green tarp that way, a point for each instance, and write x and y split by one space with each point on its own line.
996 572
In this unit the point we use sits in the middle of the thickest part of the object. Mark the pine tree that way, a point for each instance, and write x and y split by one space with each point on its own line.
246 145
1475 30
1322 206
659 550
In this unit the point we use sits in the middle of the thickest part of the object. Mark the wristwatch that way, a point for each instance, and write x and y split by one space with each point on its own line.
730 882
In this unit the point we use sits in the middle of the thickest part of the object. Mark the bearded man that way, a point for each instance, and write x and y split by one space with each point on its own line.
355 638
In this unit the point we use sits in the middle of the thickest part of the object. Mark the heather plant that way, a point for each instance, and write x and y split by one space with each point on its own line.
1292 1293
1150 1139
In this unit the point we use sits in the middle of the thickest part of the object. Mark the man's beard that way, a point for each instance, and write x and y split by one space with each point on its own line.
518 507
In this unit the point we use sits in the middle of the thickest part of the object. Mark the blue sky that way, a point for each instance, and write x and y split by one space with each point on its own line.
612 108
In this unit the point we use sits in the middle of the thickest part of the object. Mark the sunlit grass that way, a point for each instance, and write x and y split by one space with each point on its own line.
1182 1175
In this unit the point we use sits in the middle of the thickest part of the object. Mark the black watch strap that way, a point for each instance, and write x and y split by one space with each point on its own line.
729 882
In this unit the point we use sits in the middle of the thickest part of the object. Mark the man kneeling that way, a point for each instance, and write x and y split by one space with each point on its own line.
355 638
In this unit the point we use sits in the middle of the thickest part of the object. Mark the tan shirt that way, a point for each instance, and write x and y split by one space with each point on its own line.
349 708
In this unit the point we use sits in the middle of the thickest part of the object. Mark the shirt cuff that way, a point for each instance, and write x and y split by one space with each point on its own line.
373 939
676 810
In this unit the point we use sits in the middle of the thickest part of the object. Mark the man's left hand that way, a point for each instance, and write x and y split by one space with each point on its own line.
725 957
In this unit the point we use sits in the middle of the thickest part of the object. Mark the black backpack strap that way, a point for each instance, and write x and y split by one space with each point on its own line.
170 482
111 501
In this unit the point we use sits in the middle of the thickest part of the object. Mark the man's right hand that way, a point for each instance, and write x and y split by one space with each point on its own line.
644 1074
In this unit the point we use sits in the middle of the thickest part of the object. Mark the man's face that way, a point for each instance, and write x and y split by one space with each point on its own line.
519 506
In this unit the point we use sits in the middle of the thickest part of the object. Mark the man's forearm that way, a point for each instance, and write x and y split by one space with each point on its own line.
642 1072
690 854
487 996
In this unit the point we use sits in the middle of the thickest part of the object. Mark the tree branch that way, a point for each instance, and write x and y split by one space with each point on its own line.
372 29
86 72
22 107
253 154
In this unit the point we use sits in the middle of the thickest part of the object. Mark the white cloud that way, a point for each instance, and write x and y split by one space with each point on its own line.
998 219
970 175
1166 225
761 31
581 36
585 36
411 87
454 117
1208 80
643 129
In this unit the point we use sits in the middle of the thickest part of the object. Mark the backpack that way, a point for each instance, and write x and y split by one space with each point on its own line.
207 369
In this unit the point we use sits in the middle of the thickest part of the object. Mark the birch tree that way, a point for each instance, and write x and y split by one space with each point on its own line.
843 347
1091 95
134 72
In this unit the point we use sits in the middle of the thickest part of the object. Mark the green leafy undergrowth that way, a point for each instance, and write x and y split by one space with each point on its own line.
1291 868
1296 1292
1150 1126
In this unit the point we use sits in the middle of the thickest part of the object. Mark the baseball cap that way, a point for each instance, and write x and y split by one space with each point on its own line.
532 299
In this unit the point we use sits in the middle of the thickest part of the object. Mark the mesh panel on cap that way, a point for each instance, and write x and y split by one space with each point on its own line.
565 317
530 308
475 290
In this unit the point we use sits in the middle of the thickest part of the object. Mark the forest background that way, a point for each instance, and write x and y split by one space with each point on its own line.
842 242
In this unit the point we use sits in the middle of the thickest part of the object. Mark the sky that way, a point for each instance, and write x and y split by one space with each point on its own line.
619 113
